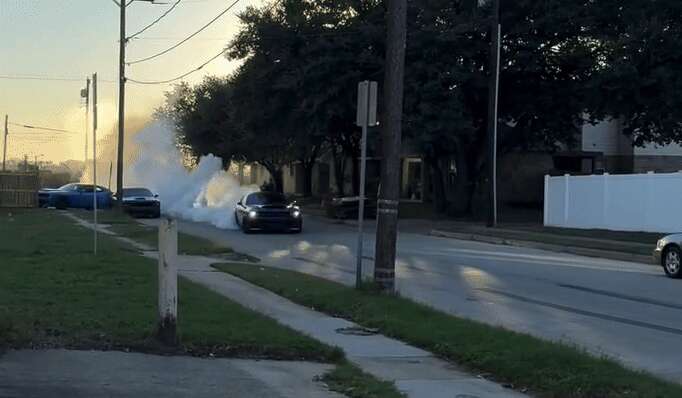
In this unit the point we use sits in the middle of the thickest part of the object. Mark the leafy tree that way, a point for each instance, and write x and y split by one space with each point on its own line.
321 53
641 78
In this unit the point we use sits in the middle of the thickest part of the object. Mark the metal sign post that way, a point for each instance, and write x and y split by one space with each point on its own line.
94 157
366 117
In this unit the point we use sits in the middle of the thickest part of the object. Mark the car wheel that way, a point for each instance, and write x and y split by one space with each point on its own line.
61 203
672 263
245 227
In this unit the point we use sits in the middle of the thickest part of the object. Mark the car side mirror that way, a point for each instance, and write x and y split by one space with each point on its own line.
156 195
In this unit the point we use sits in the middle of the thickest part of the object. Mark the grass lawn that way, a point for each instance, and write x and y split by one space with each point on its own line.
55 294
547 369
127 226
350 381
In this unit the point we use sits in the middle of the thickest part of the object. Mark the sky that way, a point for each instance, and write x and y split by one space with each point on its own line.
71 39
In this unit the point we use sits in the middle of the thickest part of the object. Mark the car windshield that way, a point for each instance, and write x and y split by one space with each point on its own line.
265 198
68 187
87 188
128 192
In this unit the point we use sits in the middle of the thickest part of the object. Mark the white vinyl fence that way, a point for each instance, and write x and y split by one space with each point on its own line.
633 202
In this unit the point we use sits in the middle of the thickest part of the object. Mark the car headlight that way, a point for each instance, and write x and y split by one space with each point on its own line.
660 244
296 213
253 214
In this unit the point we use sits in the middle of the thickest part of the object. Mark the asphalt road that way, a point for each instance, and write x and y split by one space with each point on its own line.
626 311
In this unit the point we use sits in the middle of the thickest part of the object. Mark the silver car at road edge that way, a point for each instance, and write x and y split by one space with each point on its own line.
669 255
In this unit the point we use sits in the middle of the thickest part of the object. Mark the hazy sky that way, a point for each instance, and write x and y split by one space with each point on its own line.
74 38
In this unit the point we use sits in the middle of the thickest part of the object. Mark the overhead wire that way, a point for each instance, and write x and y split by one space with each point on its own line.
157 20
166 51
47 78
319 34
181 76
31 127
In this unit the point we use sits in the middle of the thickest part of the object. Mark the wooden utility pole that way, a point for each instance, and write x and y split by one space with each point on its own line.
121 100
4 147
493 103
389 197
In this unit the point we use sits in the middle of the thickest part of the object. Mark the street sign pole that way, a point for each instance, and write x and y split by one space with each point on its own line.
94 157
367 108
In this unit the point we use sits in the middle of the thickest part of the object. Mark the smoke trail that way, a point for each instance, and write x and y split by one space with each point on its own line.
205 193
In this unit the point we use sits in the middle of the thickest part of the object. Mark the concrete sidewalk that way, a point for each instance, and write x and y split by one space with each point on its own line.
91 374
415 372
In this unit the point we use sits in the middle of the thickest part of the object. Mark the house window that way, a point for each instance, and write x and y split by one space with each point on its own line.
412 180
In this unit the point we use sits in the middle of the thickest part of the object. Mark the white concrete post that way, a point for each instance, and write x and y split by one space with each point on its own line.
566 198
545 216
168 282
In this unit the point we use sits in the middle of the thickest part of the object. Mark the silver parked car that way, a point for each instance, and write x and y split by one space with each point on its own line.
669 255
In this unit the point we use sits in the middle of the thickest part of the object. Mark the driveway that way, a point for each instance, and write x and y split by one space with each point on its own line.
626 311
91 374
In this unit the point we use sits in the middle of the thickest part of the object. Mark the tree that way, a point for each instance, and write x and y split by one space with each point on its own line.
640 81
322 51
547 63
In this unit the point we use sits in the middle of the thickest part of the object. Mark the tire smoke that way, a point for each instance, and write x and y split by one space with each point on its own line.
204 193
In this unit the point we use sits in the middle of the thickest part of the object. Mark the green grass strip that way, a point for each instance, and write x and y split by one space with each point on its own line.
546 368
352 382
55 293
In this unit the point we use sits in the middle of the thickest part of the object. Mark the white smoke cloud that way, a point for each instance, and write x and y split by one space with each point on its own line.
205 193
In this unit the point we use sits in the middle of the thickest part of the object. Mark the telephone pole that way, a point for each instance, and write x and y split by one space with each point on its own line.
121 100
493 103
123 41
389 197
4 147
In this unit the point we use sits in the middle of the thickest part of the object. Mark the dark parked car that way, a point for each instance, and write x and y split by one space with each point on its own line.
347 207
141 202
268 211
75 196
669 256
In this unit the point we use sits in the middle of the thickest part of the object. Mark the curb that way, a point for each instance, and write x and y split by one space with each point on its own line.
581 251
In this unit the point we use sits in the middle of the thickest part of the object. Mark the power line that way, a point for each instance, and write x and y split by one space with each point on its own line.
183 75
166 51
159 38
156 20
28 126
46 78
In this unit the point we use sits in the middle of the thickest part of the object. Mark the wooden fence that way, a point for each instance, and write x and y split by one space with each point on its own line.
19 189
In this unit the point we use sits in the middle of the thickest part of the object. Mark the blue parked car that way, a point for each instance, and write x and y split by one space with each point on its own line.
75 196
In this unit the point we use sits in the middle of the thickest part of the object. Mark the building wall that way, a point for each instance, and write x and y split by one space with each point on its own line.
660 159
606 137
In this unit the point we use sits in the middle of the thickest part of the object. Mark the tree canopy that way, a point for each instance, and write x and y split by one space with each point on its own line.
293 98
